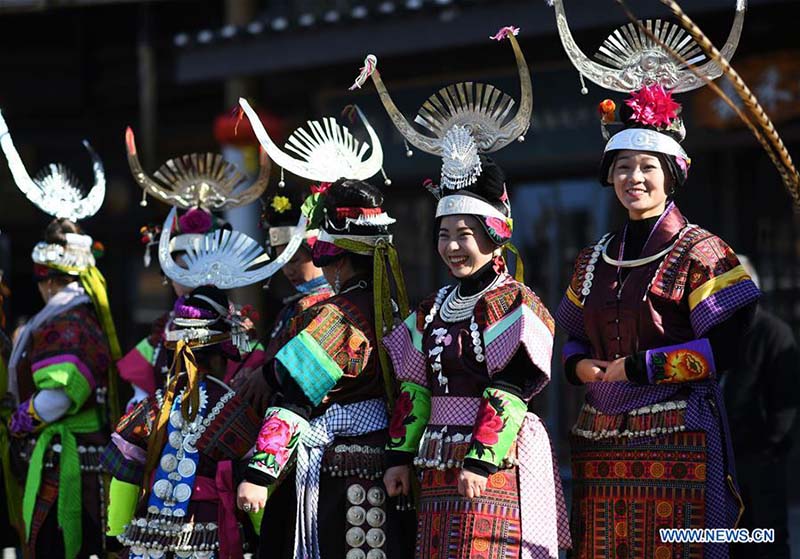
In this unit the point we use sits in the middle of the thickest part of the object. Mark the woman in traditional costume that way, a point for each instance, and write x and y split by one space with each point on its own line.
654 313
474 354
201 185
61 371
181 445
332 379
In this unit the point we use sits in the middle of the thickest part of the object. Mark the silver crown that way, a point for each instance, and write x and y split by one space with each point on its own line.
225 259
478 110
55 190
198 180
326 151
630 59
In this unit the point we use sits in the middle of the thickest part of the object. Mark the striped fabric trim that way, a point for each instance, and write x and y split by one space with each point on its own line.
717 284
67 377
310 366
570 294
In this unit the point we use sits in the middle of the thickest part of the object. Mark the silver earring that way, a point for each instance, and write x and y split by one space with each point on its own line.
337 285
164 280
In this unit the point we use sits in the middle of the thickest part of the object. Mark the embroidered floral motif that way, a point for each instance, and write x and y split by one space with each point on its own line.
402 416
488 425
276 441
680 365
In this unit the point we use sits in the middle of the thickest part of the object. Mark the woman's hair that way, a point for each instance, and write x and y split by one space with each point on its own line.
491 185
57 230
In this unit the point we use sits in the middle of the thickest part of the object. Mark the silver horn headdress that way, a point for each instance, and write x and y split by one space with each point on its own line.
630 59
325 152
198 180
55 190
223 258
462 120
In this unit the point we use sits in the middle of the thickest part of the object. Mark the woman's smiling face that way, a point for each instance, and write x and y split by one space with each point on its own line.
464 245
640 183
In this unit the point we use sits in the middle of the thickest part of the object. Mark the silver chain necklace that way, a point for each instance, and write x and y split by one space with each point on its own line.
457 307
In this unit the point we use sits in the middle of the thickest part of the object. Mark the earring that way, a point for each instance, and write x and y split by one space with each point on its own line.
337 285
164 280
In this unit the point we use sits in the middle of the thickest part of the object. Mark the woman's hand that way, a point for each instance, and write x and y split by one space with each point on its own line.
591 370
251 497
397 480
615 372
471 485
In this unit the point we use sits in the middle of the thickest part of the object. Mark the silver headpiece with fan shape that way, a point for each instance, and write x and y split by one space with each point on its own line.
55 190
463 119
326 152
225 259
629 59
198 180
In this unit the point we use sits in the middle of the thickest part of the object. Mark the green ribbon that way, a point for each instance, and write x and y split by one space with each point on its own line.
384 256
519 268
69 478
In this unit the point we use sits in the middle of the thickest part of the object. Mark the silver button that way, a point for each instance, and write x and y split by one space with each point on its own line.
355 554
376 517
182 492
169 462
376 554
356 494
376 537
356 515
175 439
355 537
376 496
187 467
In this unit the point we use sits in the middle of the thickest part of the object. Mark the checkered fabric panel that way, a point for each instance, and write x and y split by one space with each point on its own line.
408 363
720 306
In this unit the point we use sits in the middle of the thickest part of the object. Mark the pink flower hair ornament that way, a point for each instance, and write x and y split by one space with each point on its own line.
653 106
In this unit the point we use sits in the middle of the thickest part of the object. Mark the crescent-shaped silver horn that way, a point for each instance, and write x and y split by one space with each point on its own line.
373 164
518 126
278 156
711 70
147 184
24 181
419 141
225 258
585 65
94 199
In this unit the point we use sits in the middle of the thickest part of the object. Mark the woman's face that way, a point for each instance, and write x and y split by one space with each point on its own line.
640 183
464 245
299 269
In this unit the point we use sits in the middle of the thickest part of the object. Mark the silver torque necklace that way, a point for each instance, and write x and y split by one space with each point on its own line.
457 307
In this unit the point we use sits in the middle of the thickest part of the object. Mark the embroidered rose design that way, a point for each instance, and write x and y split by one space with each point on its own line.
487 425
274 438
401 416
499 226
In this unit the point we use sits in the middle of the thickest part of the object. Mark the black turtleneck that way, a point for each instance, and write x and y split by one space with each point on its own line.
636 234
479 280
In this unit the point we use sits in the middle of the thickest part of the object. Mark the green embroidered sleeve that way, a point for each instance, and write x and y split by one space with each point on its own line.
412 410
499 418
